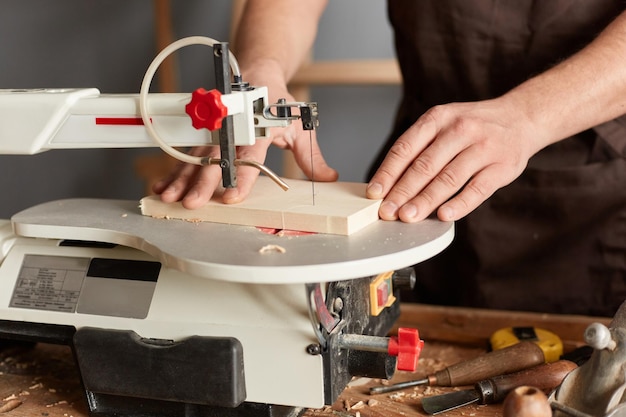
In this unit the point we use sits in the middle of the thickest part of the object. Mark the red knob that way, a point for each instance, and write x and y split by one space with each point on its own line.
206 109
407 347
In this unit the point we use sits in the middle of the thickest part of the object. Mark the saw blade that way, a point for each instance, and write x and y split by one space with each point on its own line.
312 167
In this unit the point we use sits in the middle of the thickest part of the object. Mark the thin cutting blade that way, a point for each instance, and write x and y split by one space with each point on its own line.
312 168
440 403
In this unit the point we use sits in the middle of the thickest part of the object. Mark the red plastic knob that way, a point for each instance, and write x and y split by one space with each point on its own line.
407 347
206 109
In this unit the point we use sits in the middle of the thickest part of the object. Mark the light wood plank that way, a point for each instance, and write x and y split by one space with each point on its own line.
340 208
474 326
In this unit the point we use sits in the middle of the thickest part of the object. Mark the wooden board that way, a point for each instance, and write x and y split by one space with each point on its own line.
340 208
474 326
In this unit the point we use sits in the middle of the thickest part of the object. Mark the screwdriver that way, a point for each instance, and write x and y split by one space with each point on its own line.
513 358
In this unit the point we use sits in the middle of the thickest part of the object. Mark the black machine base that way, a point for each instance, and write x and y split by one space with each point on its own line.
105 347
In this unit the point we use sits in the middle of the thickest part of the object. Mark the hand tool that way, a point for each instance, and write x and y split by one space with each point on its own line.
549 342
492 390
498 362
597 387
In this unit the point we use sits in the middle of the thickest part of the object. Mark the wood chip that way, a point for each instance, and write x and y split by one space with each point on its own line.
56 403
358 405
372 402
272 249
10 405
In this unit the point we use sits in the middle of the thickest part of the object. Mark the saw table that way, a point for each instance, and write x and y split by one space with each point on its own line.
42 380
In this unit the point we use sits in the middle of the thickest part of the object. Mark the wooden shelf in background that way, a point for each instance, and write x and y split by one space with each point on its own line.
349 72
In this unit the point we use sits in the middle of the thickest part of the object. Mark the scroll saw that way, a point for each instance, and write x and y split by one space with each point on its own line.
172 318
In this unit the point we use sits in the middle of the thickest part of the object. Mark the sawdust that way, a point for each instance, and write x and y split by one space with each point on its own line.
163 217
62 402
10 405
358 406
272 249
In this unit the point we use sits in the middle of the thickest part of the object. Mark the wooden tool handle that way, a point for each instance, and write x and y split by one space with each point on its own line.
511 359
526 401
544 377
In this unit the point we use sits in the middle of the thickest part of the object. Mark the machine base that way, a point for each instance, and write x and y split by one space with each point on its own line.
129 405
109 406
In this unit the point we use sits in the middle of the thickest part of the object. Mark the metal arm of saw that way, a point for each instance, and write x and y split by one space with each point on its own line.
37 120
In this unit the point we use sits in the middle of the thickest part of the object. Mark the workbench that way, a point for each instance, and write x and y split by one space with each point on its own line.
42 380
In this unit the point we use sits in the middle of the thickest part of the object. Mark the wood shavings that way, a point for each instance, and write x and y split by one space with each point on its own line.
398 396
372 402
161 217
10 405
357 382
56 403
272 249
10 397
358 406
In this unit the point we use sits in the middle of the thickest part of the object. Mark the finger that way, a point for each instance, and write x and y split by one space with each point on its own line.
246 176
207 180
435 175
309 158
159 186
199 187
176 185
451 178
401 154
477 190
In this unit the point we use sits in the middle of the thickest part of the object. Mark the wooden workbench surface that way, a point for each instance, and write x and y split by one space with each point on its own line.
42 380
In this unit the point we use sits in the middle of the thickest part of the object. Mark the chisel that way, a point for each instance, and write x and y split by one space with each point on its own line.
544 377
513 358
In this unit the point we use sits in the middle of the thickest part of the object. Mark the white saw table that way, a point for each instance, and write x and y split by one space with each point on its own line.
233 253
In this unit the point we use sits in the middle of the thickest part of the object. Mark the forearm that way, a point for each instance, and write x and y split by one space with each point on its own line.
583 91
275 36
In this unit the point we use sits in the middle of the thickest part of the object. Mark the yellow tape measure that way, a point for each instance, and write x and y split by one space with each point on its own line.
549 342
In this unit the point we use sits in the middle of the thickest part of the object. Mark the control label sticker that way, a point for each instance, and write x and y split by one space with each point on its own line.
50 283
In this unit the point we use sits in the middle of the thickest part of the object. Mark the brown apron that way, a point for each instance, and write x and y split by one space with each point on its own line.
555 239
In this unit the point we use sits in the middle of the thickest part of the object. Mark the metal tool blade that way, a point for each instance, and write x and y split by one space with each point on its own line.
400 385
445 402
312 168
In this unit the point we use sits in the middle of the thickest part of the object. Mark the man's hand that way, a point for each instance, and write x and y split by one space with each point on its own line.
451 160
195 185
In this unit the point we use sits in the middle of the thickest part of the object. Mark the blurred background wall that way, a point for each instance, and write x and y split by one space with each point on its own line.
108 44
